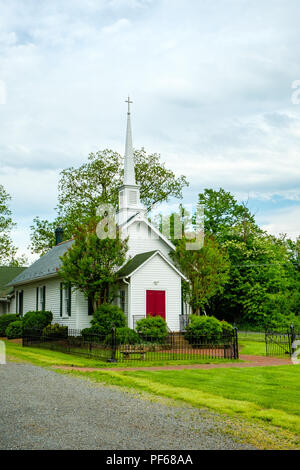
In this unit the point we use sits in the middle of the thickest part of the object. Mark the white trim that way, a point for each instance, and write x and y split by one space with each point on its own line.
146 221
129 296
157 252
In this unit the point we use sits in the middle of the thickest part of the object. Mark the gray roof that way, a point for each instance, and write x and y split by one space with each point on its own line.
46 265
135 263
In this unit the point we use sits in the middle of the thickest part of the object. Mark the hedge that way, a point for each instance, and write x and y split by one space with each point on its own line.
5 320
152 329
14 329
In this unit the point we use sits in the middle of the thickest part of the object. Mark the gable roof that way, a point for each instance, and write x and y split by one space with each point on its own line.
45 266
134 263
7 273
139 217
142 258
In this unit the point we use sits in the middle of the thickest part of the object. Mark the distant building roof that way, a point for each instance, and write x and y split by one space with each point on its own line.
45 266
7 274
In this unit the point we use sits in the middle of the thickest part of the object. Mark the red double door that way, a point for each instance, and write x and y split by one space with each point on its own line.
156 303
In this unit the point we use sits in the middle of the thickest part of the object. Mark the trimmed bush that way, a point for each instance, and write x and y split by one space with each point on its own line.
93 334
14 329
108 316
153 329
124 335
37 321
226 327
55 331
203 328
5 320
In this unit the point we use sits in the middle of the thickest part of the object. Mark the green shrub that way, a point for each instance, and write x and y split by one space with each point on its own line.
203 328
55 331
226 327
5 320
37 321
124 335
108 316
14 329
93 334
152 329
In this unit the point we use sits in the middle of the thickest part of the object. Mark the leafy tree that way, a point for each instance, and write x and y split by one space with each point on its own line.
263 278
8 252
222 212
81 190
207 270
261 275
91 263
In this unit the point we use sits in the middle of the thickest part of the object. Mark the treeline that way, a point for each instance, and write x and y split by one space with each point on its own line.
242 274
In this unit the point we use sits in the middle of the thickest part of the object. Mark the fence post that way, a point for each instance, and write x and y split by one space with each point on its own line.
113 346
235 343
293 337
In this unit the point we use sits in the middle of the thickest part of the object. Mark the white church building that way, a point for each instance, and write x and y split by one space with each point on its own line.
149 283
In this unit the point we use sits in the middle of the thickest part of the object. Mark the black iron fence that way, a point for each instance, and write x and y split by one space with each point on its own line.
280 343
110 348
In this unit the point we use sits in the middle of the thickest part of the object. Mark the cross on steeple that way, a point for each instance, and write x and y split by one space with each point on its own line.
129 102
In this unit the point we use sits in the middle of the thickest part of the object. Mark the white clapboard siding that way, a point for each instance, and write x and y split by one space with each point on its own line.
142 239
12 305
52 301
83 318
156 274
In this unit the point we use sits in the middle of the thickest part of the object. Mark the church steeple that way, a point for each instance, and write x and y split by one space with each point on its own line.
129 174
129 192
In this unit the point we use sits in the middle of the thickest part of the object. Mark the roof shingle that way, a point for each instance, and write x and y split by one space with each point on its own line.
44 266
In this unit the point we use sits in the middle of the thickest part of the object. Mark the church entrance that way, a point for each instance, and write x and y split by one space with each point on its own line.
156 303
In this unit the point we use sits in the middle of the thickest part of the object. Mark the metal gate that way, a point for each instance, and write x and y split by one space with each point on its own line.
281 343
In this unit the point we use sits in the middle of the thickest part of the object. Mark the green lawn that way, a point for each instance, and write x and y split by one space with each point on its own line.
264 394
264 398
45 357
255 348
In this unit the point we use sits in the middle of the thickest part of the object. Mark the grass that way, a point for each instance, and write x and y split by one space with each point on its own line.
272 398
46 357
252 348
249 336
258 404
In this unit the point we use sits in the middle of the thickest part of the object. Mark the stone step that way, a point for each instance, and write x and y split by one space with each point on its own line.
179 340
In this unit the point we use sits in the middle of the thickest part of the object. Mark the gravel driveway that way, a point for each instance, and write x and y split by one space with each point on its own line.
41 409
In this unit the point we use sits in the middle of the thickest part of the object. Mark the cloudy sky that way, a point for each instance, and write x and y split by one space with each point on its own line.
215 85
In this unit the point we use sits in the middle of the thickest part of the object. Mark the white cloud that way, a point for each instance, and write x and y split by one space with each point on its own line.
211 85
285 220
116 27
